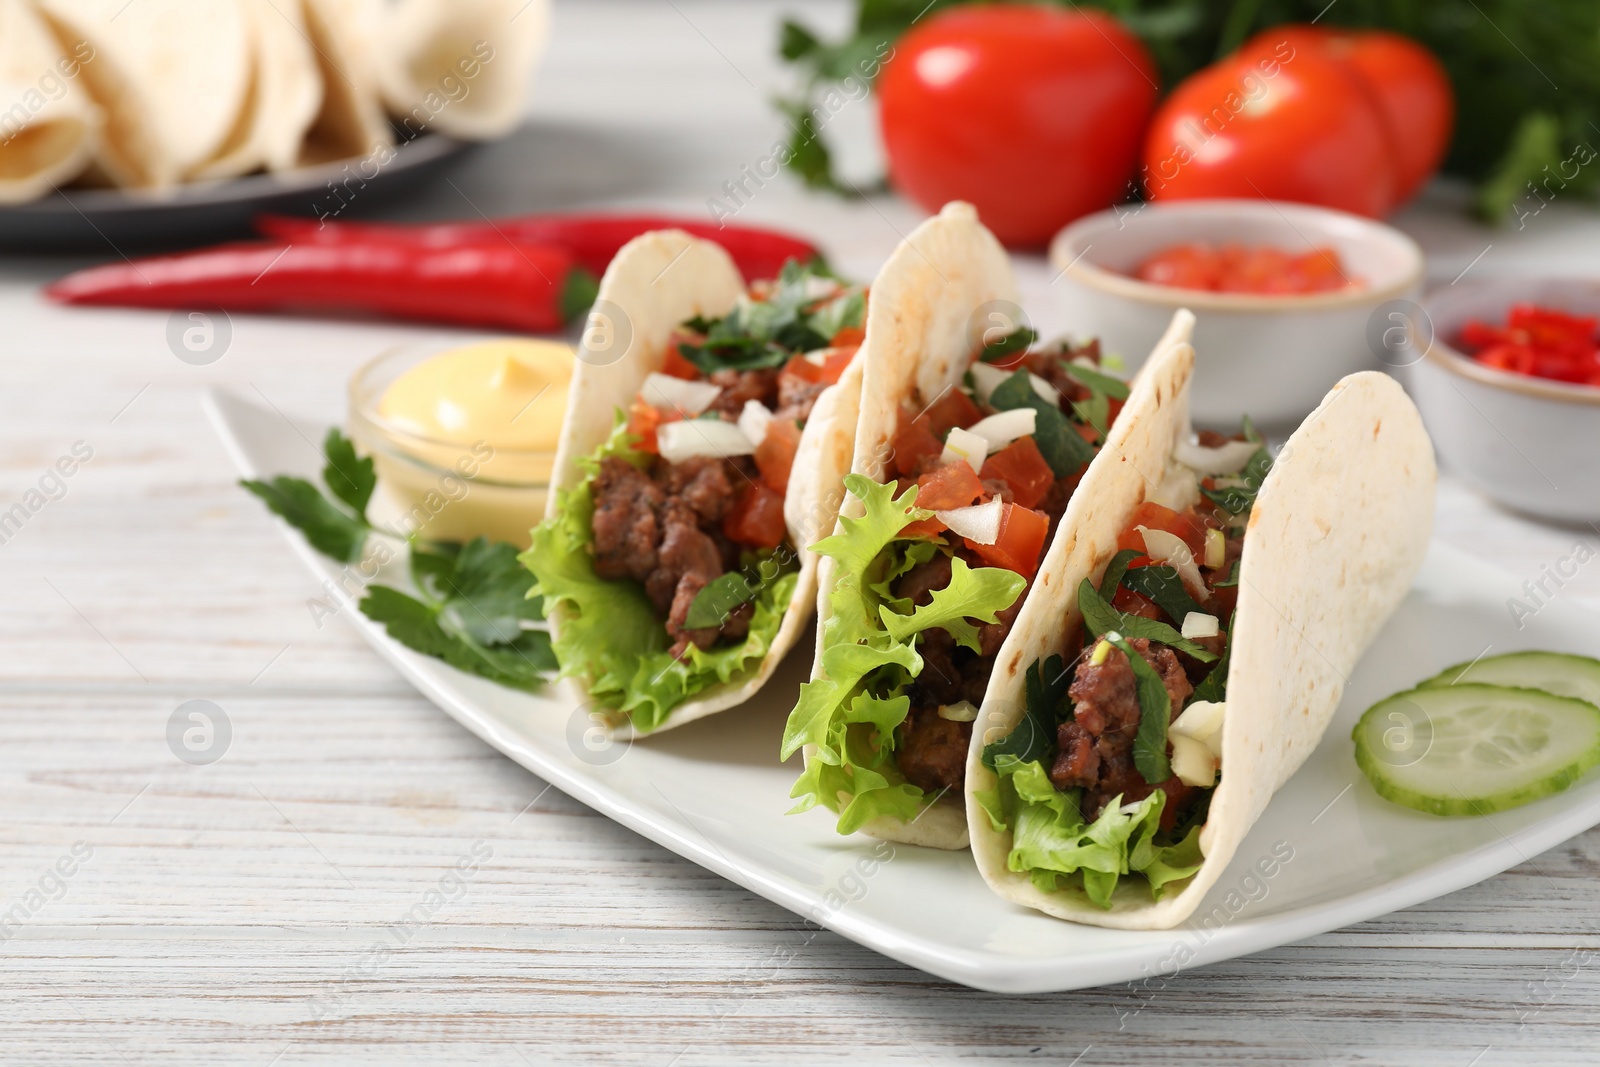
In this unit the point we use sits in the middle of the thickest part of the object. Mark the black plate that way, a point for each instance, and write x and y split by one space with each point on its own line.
91 219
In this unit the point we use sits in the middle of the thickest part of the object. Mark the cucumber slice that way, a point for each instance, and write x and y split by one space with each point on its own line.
1560 673
1475 749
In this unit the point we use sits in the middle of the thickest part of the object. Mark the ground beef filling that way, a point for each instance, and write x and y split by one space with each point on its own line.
662 525
932 751
1095 746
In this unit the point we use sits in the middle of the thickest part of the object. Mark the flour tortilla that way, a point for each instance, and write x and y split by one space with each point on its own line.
283 97
462 67
350 123
656 282
48 125
1337 533
949 273
171 76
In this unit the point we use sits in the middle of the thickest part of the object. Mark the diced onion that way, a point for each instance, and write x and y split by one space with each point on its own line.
818 288
1216 549
986 378
960 711
1199 624
676 394
1002 428
679 441
965 445
754 420
1193 762
1168 548
1179 489
1202 721
979 523
1229 457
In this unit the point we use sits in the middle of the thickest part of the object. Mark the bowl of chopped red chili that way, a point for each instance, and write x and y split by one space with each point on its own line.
1282 294
1510 390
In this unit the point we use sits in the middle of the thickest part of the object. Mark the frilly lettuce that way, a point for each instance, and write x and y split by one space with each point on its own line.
1055 847
850 711
611 637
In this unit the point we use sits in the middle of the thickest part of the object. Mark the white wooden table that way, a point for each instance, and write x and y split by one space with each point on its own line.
235 912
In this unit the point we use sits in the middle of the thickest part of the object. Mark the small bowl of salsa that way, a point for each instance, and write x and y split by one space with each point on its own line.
1283 294
1510 390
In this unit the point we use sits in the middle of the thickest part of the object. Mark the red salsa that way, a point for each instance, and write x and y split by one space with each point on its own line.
1236 268
1537 341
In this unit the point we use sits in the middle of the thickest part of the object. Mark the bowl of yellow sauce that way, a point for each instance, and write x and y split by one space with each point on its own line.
463 441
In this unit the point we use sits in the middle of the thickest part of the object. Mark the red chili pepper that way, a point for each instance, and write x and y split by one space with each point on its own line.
493 284
1538 341
592 239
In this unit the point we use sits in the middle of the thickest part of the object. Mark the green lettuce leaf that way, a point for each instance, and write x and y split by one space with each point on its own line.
971 593
1056 848
612 638
849 713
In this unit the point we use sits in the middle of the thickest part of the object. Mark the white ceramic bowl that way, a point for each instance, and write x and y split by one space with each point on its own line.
1528 443
1269 357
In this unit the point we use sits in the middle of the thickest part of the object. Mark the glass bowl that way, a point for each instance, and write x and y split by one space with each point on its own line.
443 490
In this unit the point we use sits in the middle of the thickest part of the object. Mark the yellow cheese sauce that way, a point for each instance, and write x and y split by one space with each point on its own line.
464 441
509 394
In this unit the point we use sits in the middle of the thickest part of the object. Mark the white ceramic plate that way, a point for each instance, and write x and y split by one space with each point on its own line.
1327 853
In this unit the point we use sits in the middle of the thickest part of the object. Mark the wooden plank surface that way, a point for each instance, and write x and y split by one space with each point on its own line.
360 880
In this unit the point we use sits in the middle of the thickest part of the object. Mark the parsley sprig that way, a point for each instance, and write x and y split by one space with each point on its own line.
473 611
759 334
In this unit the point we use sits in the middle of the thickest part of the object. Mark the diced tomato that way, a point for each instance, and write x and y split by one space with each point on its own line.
1234 268
913 444
848 337
953 485
954 408
1126 600
1021 466
1022 535
643 422
929 527
837 359
775 453
675 365
1087 432
1187 525
756 518
1113 409
802 368
1538 341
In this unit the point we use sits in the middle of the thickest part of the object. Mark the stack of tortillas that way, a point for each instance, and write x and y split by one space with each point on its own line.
150 93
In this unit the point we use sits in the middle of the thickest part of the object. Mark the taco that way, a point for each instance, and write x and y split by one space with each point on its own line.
1214 601
969 447
708 431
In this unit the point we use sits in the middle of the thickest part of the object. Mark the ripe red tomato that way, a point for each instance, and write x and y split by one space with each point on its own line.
1289 125
954 485
1022 536
756 518
1022 467
1410 84
775 454
1032 113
